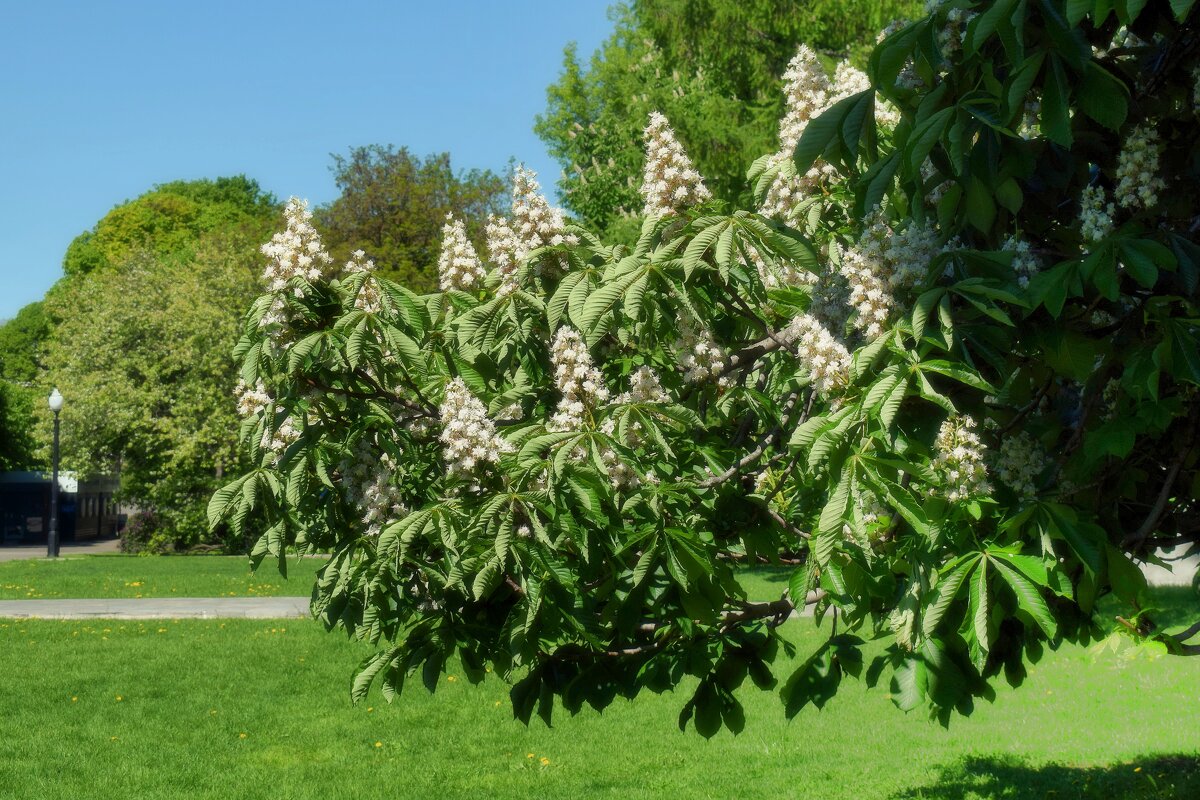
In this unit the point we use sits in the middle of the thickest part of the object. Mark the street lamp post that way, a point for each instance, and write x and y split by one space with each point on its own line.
56 404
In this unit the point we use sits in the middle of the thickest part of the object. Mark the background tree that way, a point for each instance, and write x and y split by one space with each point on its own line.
713 67
168 220
136 335
393 205
22 340
150 385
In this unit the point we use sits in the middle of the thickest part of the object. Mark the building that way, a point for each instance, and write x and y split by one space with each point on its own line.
86 510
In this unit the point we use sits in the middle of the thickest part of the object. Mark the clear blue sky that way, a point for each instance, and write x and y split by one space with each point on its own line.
100 101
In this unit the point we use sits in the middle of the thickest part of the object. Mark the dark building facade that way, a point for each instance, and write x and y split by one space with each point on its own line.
86 509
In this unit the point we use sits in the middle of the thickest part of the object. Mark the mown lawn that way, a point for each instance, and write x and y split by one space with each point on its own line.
152 576
260 709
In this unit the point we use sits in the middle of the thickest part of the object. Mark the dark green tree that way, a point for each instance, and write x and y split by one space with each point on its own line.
393 205
22 340
713 67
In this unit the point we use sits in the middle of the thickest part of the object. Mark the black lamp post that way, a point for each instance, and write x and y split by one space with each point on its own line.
56 404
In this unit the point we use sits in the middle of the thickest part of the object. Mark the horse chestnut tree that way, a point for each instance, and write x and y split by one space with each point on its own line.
945 369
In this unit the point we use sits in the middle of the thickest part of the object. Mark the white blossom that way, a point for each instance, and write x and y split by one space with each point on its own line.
807 91
644 387
1019 462
581 386
468 434
296 251
959 460
534 223
669 181
1095 214
1025 264
368 479
820 354
252 401
458 265
1138 180
698 353
883 262
369 297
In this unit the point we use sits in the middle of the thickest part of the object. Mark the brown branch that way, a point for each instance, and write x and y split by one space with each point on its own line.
757 453
1150 524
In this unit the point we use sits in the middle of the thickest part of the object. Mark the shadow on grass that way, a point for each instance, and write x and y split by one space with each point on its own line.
1149 778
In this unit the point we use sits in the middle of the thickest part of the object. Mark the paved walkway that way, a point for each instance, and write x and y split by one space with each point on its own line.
16 553
159 608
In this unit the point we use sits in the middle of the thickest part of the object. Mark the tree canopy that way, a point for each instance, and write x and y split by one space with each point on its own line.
394 204
167 220
713 67
22 340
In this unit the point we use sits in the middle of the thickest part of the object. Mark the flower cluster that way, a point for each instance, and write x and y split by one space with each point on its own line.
458 265
1019 463
579 381
504 250
1025 264
823 356
1138 182
644 387
959 460
296 251
807 91
883 262
252 401
669 181
1095 214
776 273
468 434
952 34
282 437
698 353
369 297
369 482
535 223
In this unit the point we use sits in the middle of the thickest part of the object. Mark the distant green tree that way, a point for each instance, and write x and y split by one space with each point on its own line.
169 218
713 67
393 205
148 379
22 339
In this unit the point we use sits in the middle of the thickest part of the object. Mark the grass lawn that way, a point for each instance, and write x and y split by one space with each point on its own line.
260 709
153 576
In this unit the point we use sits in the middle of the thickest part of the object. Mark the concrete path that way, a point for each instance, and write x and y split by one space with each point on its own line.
159 608
20 552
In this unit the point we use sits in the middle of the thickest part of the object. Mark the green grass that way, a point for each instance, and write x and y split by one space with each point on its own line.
152 576
149 710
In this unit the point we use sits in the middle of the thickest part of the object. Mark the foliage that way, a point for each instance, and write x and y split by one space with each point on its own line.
712 66
143 532
21 341
956 391
168 220
149 391
393 205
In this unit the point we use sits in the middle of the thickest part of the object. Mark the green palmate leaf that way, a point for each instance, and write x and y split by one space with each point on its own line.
833 515
979 631
1029 598
945 592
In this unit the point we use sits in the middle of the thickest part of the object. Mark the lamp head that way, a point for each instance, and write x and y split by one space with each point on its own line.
56 401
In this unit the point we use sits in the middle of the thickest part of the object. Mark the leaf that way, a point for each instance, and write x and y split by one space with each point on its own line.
1102 96
944 592
924 136
1056 98
978 615
829 528
1029 599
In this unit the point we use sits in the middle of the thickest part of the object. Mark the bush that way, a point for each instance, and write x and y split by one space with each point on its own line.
143 533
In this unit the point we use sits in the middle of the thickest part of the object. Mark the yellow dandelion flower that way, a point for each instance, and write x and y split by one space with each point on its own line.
119 698
370 709
451 678
241 735
1137 769
74 699
379 744
545 761
529 755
